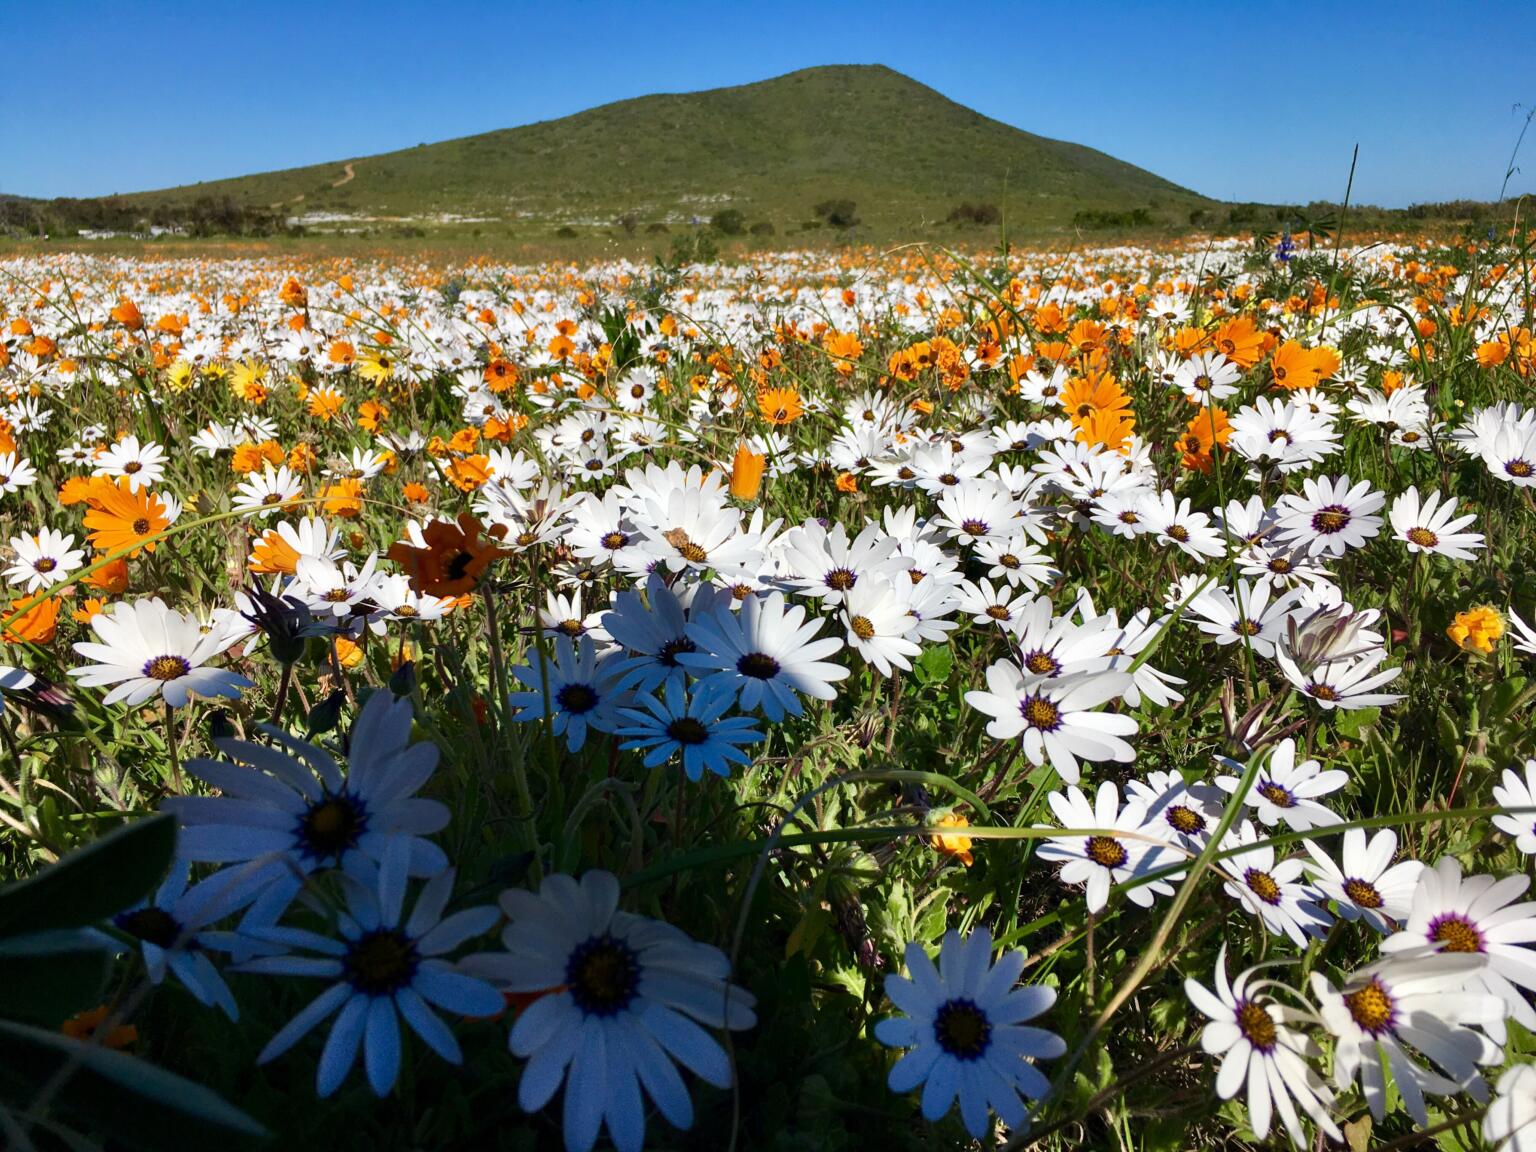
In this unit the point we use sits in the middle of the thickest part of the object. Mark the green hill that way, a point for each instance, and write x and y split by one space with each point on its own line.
905 154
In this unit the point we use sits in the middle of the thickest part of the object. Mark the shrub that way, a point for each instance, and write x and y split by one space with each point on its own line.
729 222
839 213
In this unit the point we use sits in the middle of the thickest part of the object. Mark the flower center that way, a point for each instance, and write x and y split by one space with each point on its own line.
1423 537
758 665
380 962
571 627
1038 712
167 667
1323 691
1371 1007
613 541
45 564
1184 819
840 579
1455 934
1178 532
1246 627
152 925
962 1029
1280 565
576 698
1363 893
132 466
999 612
140 526
603 975
1276 795
974 527
1330 519
332 826
1520 468
686 548
687 730
862 627
1042 663
1106 851
1256 1025
1262 885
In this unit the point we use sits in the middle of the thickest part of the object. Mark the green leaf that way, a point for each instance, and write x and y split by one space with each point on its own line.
139 1104
94 882
1353 721
47 988
934 665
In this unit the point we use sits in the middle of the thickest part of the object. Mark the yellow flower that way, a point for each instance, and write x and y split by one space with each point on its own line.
1477 629
953 844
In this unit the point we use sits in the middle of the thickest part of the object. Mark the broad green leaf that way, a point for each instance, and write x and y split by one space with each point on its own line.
94 882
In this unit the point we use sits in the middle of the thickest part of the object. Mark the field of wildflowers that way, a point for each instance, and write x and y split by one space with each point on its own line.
815 701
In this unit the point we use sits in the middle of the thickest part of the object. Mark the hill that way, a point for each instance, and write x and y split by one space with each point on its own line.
903 153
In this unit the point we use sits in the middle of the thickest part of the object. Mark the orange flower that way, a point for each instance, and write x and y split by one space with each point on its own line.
1199 438
470 473
455 557
272 553
294 294
89 609
127 314
1240 342
122 518
1110 428
500 375
847 482
343 498
416 493
348 653
845 350
36 625
83 1026
78 489
952 843
341 352
780 406
747 473
110 577
370 414
326 403
1097 392
302 458
464 440
248 458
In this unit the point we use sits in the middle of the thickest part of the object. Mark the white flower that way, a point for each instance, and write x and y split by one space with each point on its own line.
386 967
964 1027
1055 717
16 473
1105 858
1515 792
879 626
1208 377
43 560
1331 517
1285 791
1510 1122
767 652
272 491
1413 1001
1366 885
142 465
624 998
1251 1033
148 650
1273 891
1430 527
1477 916
1345 683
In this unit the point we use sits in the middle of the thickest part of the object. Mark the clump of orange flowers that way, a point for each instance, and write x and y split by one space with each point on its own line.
780 406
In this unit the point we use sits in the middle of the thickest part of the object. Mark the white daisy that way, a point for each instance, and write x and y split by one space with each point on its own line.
147 649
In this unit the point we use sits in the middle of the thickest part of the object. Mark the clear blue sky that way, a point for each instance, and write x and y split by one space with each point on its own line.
1239 100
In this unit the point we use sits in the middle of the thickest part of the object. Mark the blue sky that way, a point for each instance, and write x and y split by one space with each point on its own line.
1247 100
